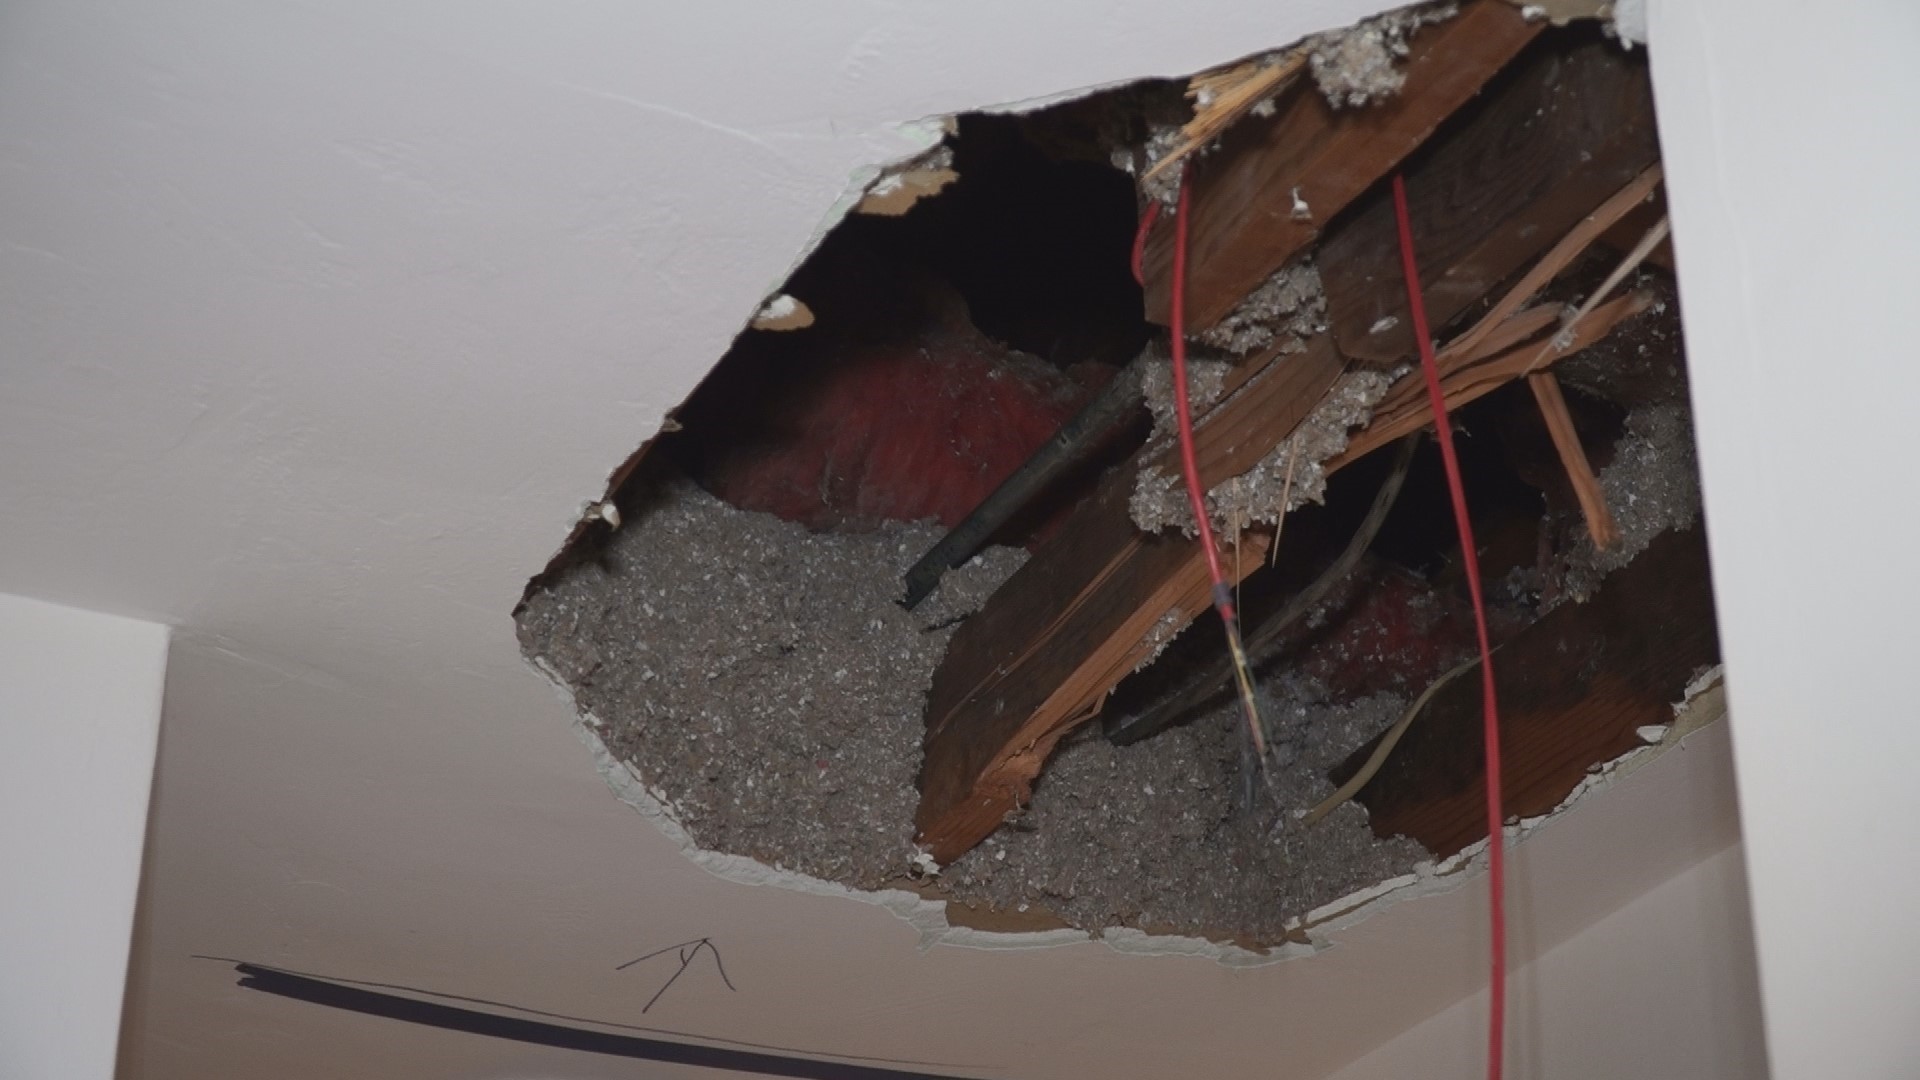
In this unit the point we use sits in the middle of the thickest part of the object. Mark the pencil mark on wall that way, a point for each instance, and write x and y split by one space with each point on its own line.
688 952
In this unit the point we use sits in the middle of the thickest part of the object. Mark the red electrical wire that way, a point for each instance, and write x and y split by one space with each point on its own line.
1496 856
1189 464
1147 217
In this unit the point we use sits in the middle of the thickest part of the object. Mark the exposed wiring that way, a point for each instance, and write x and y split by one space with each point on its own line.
1490 713
1198 689
1190 468
1147 217
1562 340
1384 748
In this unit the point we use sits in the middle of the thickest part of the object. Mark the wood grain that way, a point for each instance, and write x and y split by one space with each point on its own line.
1069 625
1573 458
1574 689
1551 140
1243 227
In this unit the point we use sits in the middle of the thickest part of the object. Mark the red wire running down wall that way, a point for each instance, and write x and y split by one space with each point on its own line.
1223 596
1490 713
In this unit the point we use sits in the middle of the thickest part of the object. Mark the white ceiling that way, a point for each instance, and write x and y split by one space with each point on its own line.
321 323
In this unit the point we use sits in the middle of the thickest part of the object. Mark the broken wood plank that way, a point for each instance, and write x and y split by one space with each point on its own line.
1547 144
1243 225
1626 232
1043 654
1574 691
1591 228
1573 458
1468 378
1223 97
1081 614
986 743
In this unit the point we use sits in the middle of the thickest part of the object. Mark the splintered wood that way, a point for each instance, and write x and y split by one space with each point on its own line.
1246 223
1575 690
1490 197
1565 131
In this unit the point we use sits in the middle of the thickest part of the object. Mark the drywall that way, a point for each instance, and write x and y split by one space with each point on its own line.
1663 987
79 719
325 321
1795 225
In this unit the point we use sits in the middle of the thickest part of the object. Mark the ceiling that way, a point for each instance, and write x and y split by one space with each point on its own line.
326 320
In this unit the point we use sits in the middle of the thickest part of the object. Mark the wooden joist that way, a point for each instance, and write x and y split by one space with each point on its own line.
1244 224
1563 132
1041 657
1468 377
1043 654
1574 691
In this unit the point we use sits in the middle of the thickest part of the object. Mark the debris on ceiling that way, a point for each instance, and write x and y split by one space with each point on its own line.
906 594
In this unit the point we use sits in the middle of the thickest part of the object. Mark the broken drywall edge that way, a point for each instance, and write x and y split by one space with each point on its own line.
900 187
1132 942
1624 19
783 312
1703 703
928 918
918 136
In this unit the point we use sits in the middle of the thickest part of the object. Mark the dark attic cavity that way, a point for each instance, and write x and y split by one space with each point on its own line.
732 628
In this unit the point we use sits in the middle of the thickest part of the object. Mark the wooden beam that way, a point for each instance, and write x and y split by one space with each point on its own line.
1243 225
1079 617
1561 133
1574 690
1573 458
1043 654
1470 377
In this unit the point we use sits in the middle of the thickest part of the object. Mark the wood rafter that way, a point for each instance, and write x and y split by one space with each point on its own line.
1245 224
1092 603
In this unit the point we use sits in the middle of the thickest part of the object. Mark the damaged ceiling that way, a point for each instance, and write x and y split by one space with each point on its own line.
318 370
968 374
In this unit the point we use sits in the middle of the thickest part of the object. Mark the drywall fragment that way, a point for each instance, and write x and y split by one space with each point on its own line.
1359 65
783 312
900 187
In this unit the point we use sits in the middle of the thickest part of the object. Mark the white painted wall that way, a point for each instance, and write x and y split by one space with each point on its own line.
79 720
1789 132
1663 987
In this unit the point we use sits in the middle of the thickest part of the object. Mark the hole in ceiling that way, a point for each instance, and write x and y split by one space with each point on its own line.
1044 727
